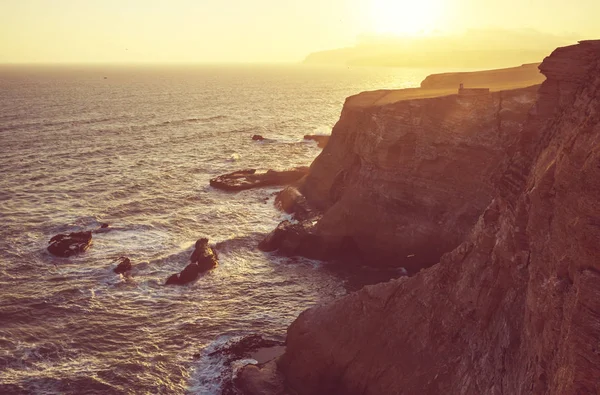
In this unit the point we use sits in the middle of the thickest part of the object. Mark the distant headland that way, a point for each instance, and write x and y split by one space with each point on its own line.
486 48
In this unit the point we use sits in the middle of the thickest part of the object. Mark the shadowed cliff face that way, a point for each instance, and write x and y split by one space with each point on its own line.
515 309
406 181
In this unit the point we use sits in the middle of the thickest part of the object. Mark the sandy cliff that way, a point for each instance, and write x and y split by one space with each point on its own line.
406 181
515 308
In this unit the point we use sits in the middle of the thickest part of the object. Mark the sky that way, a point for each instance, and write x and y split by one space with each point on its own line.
213 31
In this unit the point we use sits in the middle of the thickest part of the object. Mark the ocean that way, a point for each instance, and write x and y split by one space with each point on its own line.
135 147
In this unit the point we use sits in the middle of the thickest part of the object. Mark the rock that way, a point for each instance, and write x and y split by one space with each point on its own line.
257 137
204 256
515 307
189 273
292 201
173 279
235 350
202 260
320 139
248 179
300 239
410 177
104 226
242 347
289 238
263 379
123 266
70 244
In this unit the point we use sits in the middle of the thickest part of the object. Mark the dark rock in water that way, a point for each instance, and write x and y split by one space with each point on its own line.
291 239
189 274
248 179
321 140
104 226
123 266
173 279
257 137
67 245
303 239
241 348
204 256
202 260
292 201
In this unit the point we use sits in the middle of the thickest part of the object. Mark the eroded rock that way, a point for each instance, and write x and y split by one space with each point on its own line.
124 265
202 260
66 245
292 201
407 180
248 179
515 308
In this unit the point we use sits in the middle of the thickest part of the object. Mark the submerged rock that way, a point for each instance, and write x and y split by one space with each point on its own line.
320 139
202 260
124 265
70 244
257 137
248 179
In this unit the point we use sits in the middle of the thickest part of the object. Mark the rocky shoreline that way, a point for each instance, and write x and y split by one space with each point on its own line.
489 205
502 191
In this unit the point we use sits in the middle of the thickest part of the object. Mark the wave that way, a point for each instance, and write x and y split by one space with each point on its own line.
192 120
73 122
82 122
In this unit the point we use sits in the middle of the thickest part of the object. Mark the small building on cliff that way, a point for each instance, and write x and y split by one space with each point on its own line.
462 91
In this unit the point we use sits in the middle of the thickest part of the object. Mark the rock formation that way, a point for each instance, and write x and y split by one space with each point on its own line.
70 244
405 182
515 308
248 179
257 137
292 201
202 260
124 266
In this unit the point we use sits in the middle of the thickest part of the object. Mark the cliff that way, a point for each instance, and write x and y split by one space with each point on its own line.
404 179
515 308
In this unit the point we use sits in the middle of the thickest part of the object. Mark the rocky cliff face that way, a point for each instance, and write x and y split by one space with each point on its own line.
515 308
405 182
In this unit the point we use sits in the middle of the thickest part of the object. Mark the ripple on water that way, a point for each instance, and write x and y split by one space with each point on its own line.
137 151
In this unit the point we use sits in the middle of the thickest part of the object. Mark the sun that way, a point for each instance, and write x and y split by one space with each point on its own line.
405 17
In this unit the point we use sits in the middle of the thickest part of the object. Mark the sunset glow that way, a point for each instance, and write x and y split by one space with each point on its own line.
406 17
207 31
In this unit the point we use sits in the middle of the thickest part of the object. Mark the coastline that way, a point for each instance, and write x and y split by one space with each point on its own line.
479 321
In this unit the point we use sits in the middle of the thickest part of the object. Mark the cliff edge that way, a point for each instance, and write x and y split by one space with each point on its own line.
515 308
401 183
